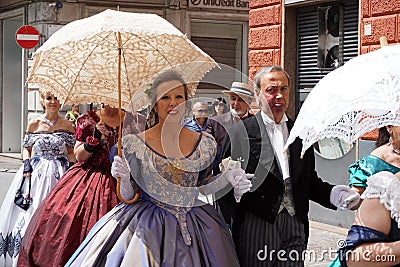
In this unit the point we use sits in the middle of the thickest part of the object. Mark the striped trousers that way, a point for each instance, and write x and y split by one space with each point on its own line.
260 243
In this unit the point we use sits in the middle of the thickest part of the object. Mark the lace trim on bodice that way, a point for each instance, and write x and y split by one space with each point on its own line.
171 183
205 150
385 186
180 214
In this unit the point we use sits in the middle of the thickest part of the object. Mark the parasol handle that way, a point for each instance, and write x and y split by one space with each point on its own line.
137 192
383 41
120 197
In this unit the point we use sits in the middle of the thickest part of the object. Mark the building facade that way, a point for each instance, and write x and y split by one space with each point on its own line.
219 27
291 33
310 38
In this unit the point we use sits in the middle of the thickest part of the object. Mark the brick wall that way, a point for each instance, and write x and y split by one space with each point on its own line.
265 35
384 18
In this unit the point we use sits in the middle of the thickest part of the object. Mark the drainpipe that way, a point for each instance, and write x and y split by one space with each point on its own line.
24 87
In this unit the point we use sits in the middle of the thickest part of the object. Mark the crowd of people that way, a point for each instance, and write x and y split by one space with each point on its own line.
262 192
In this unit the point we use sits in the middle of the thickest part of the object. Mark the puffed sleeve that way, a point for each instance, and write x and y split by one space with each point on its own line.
69 139
209 158
362 169
29 140
84 127
359 172
134 154
385 186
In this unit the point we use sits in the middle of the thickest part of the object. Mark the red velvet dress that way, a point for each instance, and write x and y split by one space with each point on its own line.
83 195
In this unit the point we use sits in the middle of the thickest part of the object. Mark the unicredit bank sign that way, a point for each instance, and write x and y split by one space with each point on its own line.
221 4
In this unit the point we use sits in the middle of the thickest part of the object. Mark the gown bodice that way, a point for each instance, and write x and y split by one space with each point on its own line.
49 145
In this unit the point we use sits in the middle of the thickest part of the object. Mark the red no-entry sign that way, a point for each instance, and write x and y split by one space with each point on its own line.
27 37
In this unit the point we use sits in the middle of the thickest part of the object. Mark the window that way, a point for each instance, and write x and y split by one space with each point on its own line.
330 26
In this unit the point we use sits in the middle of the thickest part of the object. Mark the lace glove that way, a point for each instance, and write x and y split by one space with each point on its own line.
120 168
27 167
344 198
240 182
231 173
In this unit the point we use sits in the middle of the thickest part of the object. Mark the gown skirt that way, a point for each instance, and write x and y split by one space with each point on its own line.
144 234
62 221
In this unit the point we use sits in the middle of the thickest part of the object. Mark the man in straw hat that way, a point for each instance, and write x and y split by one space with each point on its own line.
240 97
273 217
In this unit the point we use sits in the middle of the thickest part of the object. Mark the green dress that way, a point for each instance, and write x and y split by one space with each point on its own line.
367 166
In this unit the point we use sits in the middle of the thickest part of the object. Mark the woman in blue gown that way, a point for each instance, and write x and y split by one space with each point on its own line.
169 225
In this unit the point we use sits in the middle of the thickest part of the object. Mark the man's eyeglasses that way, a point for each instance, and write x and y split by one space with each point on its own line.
202 111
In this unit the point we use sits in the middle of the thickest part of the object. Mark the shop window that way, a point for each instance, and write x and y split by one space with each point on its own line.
330 30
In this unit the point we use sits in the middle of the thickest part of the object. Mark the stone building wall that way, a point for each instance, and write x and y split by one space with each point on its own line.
265 35
383 18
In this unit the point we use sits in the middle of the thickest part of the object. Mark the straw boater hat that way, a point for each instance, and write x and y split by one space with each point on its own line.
243 90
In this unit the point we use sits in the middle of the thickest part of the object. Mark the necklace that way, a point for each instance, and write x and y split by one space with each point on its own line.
49 122
395 150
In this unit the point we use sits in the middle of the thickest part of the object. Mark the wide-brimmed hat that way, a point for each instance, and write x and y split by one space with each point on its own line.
241 89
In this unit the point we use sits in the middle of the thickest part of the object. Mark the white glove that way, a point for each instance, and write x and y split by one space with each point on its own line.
120 168
240 182
344 198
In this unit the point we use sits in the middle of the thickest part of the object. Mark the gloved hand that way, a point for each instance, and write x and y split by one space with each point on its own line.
120 168
240 182
27 167
344 198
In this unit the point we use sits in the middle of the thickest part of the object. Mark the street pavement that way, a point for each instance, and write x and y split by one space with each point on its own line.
10 162
322 243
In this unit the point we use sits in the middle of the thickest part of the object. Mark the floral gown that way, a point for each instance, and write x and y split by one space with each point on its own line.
166 226
49 161
84 194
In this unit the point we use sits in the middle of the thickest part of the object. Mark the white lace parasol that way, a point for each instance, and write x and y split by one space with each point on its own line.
362 95
79 63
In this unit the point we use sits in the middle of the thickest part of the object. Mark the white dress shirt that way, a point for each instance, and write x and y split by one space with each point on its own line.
278 134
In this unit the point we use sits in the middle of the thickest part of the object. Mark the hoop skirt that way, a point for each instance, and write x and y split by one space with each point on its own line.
165 227
85 193
49 161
